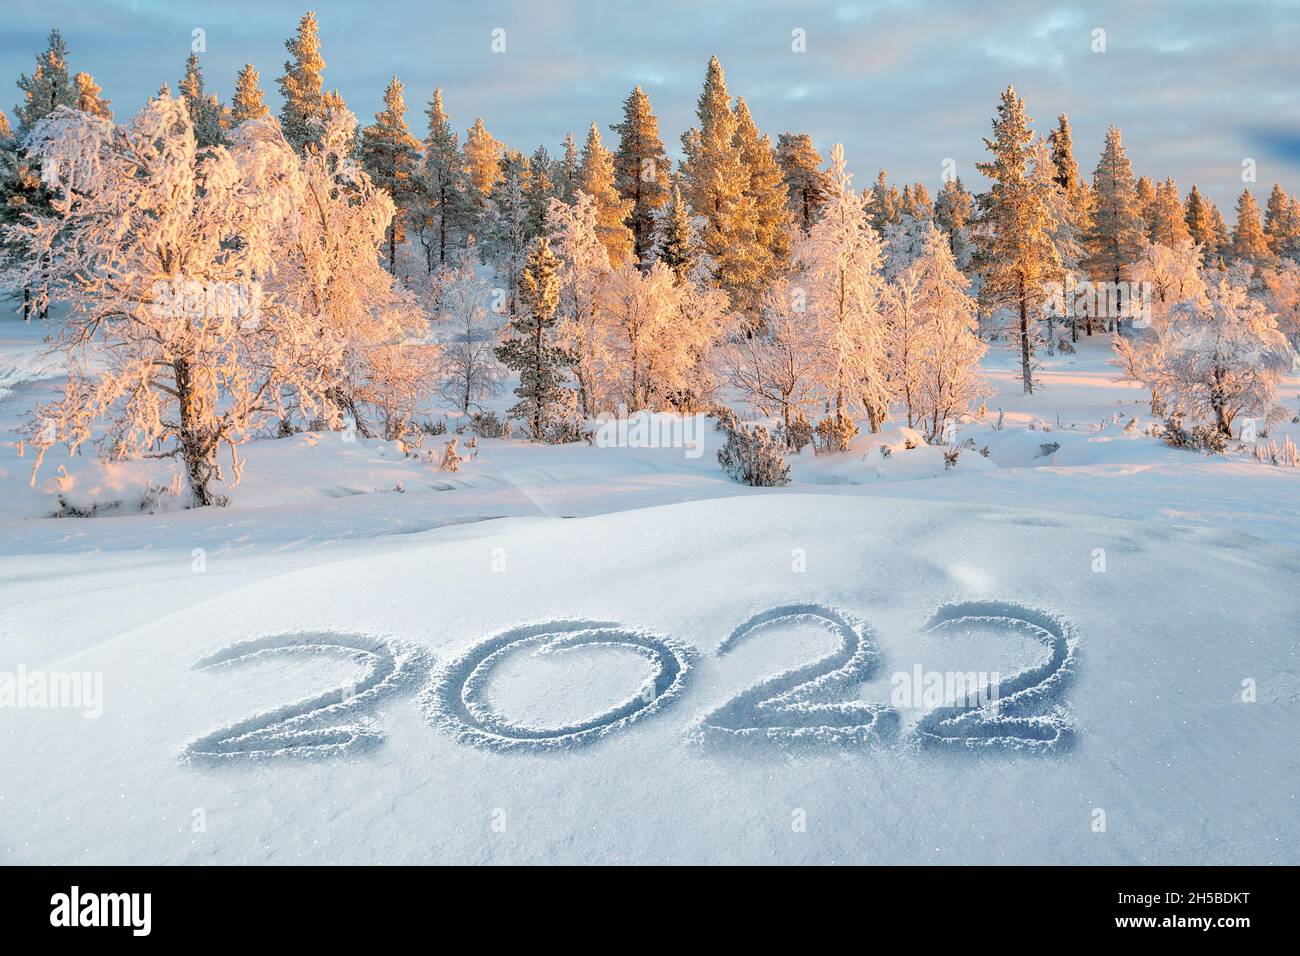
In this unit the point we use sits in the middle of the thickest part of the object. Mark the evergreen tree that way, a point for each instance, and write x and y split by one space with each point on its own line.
1281 224
390 154
1248 241
1016 252
674 237
612 210
446 208
482 159
302 86
48 88
1219 228
1118 228
205 112
1061 141
641 169
806 183
1146 197
90 98
883 202
952 213
247 103
530 349
1197 216
506 222
569 178
539 190
1166 223
770 203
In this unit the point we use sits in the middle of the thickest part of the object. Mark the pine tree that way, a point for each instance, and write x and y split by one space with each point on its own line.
1166 223
390 154
539 190
445 206
716 183
641 169
247 103
482 159
883 202
1118 228
48 88
1248 241
612 210
770 203
806 183
6 131
1146 197
205 114
1016 251
90 98
530 349
1061 141
506 222
1197 216
1281 224
952 213
569 178
302 85
1219 228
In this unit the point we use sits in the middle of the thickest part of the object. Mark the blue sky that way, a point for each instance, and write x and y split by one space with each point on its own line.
1196 87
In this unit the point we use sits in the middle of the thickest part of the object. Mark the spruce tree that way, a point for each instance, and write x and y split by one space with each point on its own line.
641 169
1281 227
447 208
770 203
612 210
1016 252
1166 223
390 154
952 214
674 239
247 103
482 159
1219 229
1118 228
1197 216
48 88
569 177
303 112
883 203
807 185
539 190
1248 241
506 222
205 112
530 348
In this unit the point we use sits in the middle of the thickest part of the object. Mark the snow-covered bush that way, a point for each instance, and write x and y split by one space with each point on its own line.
754 456
451 456
834 434
799 433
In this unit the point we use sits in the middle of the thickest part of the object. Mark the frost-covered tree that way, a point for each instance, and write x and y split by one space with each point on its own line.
391 155
1196 213
946 370
641 169
162 346
568 179
1249 244
1282 287
247 102
806 183
1223 357
571 230
539 190
469 372
952 214
776 368
329 272
612 210
883 203
675 241
839 276
1118 228
303 85
1016 251
1166 223
505 226
531 350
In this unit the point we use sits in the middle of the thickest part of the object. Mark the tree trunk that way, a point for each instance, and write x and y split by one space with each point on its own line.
194 443
1025 372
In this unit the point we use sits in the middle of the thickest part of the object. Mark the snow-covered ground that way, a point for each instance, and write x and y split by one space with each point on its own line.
544 657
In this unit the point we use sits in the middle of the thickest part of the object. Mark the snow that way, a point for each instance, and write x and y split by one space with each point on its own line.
545 656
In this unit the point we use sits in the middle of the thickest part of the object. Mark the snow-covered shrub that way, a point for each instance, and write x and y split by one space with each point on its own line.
799 433
451 456
725 418
950 458
834 434
754 456
1209 439
487 424
1064 347
1174 434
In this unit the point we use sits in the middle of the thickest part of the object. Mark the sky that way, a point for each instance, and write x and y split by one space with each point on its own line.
1197 88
